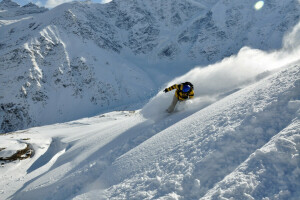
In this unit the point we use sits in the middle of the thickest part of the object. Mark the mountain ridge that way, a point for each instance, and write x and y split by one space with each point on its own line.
10 9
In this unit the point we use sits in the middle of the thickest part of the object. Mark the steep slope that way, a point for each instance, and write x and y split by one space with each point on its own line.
189 158
270 172
122 155
60 82
95 57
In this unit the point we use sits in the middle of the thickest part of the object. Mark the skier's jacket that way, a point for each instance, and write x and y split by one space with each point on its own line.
180 94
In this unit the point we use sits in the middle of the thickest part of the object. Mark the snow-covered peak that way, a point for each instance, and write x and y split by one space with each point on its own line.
30 5
8 4
31 8
11 10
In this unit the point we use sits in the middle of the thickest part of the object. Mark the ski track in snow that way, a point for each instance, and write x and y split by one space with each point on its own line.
228 149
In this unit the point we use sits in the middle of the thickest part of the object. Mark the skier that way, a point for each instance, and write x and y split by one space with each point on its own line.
183 92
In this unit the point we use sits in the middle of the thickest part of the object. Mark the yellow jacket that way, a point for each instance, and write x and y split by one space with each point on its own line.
180 94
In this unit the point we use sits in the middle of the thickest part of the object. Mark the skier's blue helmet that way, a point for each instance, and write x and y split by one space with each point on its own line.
186 88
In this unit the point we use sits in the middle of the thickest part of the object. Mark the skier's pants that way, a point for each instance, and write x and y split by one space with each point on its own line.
173 104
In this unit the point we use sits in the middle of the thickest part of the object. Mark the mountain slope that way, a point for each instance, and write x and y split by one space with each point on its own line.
190 157
122 155
97 58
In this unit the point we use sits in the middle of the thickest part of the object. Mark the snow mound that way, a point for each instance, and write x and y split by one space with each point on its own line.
10 147
271 172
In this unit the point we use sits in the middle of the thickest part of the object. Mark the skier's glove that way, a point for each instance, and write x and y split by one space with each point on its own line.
166 90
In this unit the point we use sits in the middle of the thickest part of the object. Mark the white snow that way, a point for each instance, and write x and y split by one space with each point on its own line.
10 147
212 153
239 138
271 172
207 145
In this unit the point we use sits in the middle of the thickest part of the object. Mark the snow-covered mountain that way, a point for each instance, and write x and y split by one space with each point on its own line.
12 10
239 138
80 58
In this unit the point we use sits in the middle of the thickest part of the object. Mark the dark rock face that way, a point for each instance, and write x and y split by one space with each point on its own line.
14 117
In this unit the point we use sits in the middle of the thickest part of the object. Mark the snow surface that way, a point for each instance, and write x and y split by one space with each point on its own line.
190 157
235 147
10 147
239 138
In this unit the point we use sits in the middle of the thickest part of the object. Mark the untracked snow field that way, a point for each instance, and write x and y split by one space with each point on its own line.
242 145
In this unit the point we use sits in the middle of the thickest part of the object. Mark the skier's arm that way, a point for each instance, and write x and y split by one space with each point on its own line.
171 88
191 94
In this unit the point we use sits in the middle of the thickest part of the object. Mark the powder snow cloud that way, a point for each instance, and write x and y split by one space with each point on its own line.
215 81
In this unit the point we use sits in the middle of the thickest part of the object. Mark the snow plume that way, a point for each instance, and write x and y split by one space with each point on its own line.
292 40
230 75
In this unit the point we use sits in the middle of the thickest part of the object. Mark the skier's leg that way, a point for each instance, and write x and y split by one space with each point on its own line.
173 104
